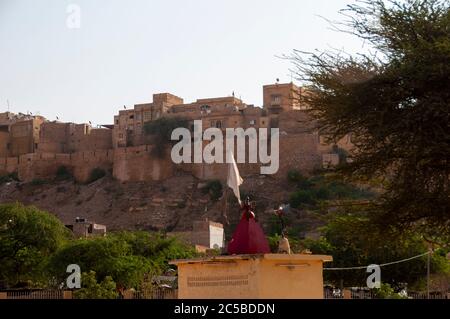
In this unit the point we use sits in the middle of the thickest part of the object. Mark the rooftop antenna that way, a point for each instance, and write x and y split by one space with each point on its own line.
7 103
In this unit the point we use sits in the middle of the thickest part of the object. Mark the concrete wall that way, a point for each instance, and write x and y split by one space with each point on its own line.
269 276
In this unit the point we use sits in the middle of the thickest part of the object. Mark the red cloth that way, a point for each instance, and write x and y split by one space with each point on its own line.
248 238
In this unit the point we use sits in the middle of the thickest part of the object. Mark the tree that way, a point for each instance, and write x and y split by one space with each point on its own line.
351 239
91 289
396 105
106 256
161 130
129 258
28 237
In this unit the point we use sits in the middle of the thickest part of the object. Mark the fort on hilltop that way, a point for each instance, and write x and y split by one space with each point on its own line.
34 147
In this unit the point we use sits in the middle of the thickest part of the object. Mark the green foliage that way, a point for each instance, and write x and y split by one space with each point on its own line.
161 130
128 257
96 174
311 191
214 189
395 103
294 176
387 292
38 181
273 240
302 197
353 241
9 178
28 237
91 289
63 173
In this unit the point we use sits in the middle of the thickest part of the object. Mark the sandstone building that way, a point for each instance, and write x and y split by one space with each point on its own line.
34 147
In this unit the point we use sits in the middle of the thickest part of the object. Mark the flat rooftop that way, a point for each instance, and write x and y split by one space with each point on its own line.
279 257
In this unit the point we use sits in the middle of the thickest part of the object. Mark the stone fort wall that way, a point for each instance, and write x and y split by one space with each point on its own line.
138 163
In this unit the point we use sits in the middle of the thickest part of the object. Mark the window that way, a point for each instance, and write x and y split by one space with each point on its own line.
252 122
147 116
276 99
131 117
217 124
117 122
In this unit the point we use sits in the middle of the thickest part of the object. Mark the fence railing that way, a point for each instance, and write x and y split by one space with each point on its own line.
156 293
173 294
367 294
35 294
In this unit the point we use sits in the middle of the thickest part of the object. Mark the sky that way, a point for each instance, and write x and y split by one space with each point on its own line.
122 52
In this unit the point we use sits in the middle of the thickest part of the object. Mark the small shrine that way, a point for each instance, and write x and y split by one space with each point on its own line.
249 270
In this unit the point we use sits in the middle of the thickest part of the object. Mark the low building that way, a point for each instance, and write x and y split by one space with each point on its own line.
205 235
82 228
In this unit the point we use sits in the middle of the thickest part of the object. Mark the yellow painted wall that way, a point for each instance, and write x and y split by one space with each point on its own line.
271 276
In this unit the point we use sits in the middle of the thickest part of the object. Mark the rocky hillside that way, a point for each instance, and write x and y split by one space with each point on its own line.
171 205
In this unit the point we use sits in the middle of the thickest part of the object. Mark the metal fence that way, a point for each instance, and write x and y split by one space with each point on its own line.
159 293
155 294
368 294
35 294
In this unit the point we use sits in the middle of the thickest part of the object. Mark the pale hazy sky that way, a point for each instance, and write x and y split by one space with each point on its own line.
124 51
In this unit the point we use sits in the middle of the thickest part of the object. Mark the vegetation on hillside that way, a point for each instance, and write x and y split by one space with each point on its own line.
161 131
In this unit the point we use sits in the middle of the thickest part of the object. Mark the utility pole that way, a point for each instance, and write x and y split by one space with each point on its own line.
428 270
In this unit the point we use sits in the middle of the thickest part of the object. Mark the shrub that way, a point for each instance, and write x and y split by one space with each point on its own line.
63 173
38 181
294 176
9 178
387 292
96 174
91 289
161 129
214 188
302 197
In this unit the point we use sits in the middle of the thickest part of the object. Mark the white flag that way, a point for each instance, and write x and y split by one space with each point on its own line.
234 179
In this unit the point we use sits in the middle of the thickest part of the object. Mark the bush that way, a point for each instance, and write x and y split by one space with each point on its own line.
214 188
63 173
9 178
161 129
386 292
91 289
38 181
96 174
302 197
294 176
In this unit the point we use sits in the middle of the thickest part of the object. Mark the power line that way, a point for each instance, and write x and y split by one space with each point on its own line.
386 264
